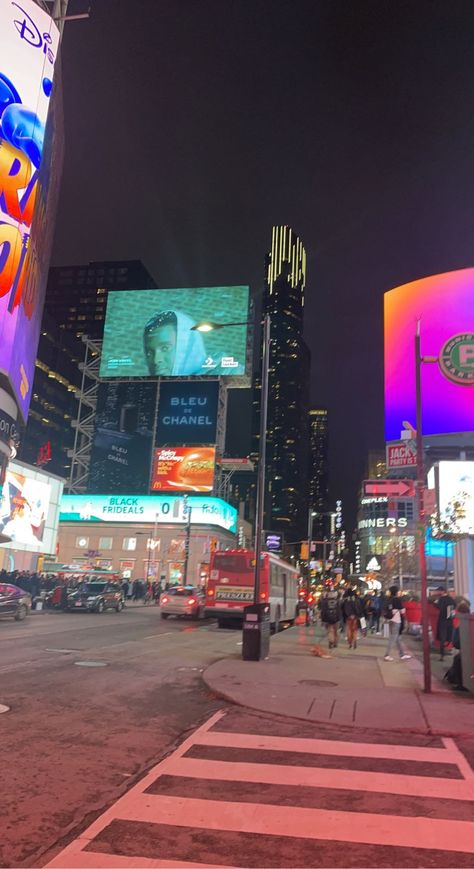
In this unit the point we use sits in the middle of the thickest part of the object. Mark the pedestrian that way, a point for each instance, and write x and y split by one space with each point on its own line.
369 613
352 612
330 614
393 610
377 611
444 631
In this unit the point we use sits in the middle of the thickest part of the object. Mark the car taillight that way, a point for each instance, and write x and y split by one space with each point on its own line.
164 600
263 595
210 592
191 600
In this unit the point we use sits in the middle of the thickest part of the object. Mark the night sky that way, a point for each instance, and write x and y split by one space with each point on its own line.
192 126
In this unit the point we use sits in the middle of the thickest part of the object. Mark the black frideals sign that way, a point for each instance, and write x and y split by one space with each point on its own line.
187 413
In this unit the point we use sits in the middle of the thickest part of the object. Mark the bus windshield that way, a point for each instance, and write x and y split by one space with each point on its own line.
233 563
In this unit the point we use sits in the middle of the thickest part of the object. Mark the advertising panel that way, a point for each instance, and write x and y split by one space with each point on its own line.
273 542
28 48
187 413
149 333
445 305
183 469
29 508
456 497
167 509
123 441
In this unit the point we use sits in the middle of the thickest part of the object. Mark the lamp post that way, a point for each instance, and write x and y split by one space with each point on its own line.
262 448
209 326
421 519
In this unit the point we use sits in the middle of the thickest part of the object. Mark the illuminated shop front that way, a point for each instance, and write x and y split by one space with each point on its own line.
145 536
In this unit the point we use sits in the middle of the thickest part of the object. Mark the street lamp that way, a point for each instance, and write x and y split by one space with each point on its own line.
421 529
209 326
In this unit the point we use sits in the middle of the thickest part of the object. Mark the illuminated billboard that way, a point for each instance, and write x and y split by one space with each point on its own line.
149 333
187 413
139 509
445 305
455 485
183 469
123 440
29 42
29 508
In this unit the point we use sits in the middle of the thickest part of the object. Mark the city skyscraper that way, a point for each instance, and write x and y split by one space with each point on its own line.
288 402
318 476
76 296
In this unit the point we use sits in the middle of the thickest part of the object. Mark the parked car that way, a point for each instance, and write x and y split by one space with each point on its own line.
183 600
14 601
96 597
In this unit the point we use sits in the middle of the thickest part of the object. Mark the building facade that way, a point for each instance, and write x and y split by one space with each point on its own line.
318 475
288 446
76 296
48 436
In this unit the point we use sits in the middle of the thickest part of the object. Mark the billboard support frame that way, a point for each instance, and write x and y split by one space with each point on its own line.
84 424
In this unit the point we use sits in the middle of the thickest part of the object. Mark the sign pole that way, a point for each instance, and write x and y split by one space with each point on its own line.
420 484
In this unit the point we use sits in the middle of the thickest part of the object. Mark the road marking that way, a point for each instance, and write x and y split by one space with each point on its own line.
313 824
337 779
460 761
325 746
164 634
4 708
300 822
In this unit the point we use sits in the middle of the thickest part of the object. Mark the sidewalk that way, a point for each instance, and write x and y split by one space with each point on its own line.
355 689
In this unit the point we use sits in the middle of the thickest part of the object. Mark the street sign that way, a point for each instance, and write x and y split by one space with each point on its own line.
394 488
236 464
402 454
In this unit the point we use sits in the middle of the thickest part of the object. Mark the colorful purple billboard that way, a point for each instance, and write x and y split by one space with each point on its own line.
445 306
29 42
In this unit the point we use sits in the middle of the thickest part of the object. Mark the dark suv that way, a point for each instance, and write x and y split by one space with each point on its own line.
96 597
14 601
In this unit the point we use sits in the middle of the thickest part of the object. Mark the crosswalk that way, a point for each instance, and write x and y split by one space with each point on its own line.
259 799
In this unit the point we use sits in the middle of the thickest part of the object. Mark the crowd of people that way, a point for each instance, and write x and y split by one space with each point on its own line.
50 586
356 614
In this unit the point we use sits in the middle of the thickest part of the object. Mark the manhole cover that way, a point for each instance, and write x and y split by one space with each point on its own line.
4 708
318 683
90 664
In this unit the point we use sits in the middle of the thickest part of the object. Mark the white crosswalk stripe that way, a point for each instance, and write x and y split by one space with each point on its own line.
224 815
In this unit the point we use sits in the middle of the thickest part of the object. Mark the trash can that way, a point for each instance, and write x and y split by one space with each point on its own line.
256 632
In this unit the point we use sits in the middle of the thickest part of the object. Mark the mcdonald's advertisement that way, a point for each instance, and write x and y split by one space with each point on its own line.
29 42
183 469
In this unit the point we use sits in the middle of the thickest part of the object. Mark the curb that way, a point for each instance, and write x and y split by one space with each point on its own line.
416 731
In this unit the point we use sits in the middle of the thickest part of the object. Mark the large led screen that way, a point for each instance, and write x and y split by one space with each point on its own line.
187 413
149 333
29 508
123 441
136 509
456 497
445 305
183 469
28 48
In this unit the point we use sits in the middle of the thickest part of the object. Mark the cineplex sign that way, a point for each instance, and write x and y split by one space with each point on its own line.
147 509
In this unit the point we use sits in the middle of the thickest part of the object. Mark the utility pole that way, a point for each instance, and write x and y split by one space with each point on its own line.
187 509
421 521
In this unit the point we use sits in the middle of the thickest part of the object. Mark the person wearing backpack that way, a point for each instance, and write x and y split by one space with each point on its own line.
330 615
352 607
393 610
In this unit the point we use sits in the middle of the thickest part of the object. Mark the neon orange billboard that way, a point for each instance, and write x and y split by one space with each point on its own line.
183 469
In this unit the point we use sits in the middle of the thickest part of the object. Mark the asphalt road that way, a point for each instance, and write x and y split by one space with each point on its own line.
76 737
